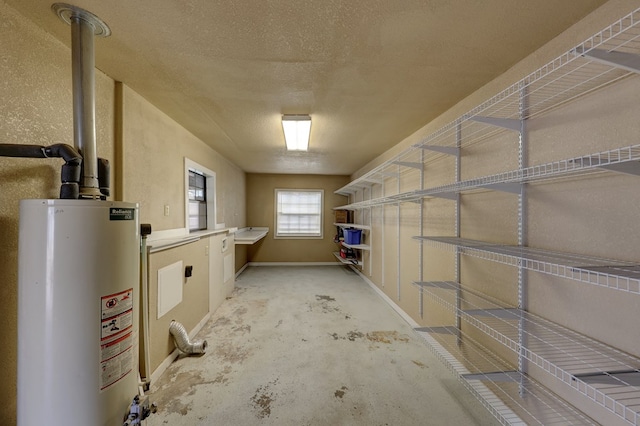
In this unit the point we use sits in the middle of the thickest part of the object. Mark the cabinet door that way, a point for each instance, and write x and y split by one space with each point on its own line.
216 271
229 273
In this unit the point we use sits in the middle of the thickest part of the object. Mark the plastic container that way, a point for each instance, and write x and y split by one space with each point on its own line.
352 236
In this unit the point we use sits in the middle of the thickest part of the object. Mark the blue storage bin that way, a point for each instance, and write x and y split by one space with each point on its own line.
352 236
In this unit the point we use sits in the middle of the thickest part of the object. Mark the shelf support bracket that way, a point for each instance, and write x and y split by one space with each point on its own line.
439 330
622 60
499 376
449 150
512 188
446 195
630 168
409 164
390 174
447 285
371 181
505 123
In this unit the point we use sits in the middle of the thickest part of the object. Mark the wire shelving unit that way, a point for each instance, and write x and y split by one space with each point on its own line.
602 374
620 160
512 397
606 57
347 261
614 274
608 376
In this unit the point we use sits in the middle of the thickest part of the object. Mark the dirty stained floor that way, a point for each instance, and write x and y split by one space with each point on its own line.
310 346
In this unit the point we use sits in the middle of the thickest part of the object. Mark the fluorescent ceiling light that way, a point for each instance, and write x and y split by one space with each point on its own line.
297 129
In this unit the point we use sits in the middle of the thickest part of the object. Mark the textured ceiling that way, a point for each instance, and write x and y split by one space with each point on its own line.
369 72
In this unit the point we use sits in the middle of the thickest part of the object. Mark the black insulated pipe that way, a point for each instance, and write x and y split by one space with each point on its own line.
28 151
71 170
64 151
104 176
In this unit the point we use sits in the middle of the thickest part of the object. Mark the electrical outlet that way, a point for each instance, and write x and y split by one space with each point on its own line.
166 209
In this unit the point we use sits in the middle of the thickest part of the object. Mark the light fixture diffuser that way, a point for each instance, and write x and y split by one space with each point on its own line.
297 129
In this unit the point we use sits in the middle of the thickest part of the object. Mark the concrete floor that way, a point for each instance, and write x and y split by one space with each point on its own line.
310 346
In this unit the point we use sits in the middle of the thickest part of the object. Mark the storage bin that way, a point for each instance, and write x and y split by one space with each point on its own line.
342 216
352 236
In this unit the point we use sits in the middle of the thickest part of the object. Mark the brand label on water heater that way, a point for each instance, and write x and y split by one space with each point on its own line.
118 213
116 337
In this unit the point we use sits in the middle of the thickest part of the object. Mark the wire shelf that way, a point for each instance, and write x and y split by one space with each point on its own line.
411 196
512 397
614 274
608 376
576 73
621 160
355 262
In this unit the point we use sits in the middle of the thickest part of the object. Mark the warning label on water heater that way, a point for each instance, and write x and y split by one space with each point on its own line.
116 337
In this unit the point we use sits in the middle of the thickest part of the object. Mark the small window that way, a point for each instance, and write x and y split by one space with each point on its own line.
197 201
299 213
199 197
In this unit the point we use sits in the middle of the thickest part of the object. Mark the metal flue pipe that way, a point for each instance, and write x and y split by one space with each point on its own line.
84 26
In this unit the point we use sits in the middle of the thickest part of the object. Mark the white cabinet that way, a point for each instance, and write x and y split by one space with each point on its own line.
221 268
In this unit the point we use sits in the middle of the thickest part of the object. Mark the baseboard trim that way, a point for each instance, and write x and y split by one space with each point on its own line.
387 299
157 373
245 266
294 264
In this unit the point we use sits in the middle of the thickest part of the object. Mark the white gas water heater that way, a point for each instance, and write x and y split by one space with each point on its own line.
77 311
78 276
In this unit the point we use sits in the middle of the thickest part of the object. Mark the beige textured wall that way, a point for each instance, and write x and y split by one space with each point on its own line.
35 108
195 296
260 212
557 213
154 147
207 260
602 17
240 256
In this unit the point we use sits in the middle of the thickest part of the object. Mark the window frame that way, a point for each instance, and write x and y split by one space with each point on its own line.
200 201
210 197
277 235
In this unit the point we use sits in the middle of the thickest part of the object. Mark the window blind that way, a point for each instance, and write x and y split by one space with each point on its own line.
299 213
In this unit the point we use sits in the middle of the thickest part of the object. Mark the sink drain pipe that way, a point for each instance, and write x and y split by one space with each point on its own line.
181 338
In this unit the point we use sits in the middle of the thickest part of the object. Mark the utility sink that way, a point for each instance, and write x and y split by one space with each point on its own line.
250 235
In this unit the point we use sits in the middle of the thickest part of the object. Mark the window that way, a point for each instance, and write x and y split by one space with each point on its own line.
197 201
299 213
200 197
